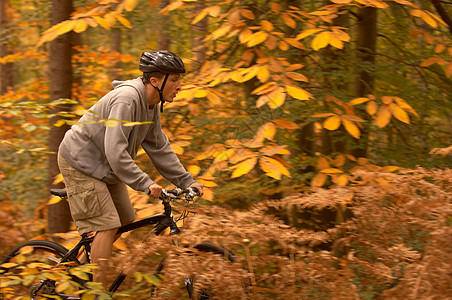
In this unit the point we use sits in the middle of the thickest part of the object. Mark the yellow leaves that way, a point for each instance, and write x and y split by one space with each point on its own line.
320 41
399 113
219 32
276 98
257 38
120 244
308 32
358 101
326 171
273 168
332 123
266 25
124 21
287 19
244 167
172 6
213 11
298 93
102 22
319 180
194 170
263 74
371 108
81 24
129 5
334 37
393 106
266 131
351 128
297 76
244 74
247 14
383 116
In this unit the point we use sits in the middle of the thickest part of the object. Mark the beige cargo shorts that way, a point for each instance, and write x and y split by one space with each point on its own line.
95 205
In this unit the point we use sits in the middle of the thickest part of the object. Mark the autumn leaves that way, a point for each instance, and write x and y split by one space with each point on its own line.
381 111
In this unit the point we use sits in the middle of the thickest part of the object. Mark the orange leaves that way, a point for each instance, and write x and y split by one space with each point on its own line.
340 170
427 17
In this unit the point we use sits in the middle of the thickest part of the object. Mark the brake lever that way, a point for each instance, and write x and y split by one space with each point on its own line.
192 193
167 195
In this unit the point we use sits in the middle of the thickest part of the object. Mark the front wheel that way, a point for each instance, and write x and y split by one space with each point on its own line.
170 267
27 269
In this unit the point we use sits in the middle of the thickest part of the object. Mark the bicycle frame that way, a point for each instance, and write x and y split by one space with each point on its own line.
162 221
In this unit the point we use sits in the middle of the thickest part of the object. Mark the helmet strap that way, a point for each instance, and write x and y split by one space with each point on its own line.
160 91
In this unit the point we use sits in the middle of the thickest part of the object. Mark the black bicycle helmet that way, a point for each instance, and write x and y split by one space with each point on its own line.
162 61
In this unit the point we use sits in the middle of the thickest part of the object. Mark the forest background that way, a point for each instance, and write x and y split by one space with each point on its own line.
330 120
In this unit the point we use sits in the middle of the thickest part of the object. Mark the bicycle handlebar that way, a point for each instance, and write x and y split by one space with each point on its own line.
176 193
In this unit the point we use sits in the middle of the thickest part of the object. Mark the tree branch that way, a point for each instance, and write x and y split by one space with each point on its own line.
443 13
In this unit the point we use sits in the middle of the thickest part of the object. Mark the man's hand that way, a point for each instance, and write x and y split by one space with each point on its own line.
155 190
198 186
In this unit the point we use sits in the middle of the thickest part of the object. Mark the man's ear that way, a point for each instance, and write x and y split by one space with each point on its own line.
154 81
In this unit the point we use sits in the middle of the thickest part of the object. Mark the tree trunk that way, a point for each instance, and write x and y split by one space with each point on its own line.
163 40
7 70
364 82
60 87
115 72
199 30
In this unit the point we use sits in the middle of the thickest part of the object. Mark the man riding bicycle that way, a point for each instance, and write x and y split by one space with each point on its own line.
97 161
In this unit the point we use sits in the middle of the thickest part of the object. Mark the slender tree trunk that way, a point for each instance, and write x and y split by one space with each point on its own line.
7 70
116 49
60 87
163 40
364 82
199 30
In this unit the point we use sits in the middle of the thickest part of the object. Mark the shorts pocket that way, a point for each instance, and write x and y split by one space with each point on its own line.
83 201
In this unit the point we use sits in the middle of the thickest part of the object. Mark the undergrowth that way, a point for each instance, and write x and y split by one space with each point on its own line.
385 236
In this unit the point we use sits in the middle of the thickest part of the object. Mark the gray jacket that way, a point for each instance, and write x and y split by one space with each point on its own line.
107 152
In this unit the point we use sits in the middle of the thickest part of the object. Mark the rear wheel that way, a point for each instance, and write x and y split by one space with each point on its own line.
29 269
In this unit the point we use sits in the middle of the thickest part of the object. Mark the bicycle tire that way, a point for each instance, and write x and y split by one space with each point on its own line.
38 251
203 247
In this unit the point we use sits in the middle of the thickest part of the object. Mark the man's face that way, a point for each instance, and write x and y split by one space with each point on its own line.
171 88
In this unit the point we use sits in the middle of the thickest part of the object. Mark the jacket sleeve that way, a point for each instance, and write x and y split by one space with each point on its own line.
116 146
158 148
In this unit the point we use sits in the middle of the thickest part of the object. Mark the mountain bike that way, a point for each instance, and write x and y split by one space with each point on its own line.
47 253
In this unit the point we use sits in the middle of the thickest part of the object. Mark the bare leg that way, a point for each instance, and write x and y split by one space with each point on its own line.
82 259
101 250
